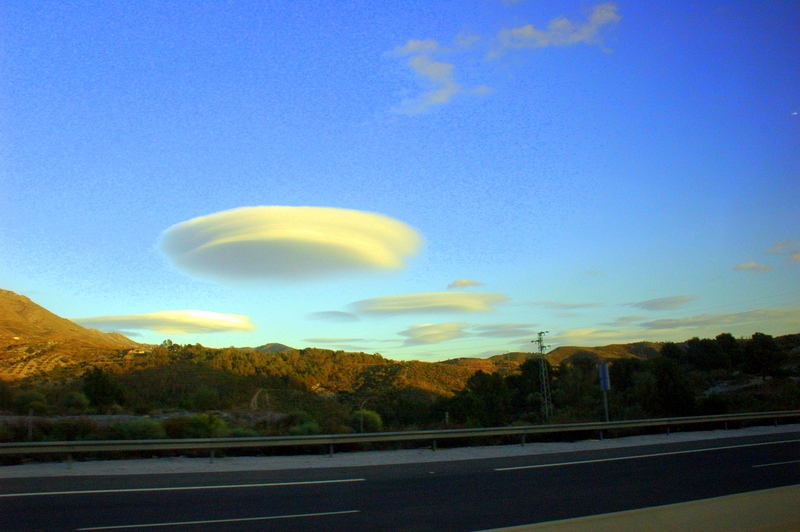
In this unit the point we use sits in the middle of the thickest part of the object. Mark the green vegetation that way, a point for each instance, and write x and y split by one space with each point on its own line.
192 391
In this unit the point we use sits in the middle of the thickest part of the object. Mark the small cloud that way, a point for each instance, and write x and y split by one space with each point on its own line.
504 330
433 333
664 303
752 267
277 242
785 247
335 316
561 31
438 76
796 257
431 302
623 321
463 283
332 340
171 322
565 306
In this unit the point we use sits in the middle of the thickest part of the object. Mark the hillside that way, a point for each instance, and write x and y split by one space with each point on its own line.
33 340
644 350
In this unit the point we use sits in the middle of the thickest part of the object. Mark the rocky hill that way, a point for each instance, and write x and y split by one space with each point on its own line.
34 340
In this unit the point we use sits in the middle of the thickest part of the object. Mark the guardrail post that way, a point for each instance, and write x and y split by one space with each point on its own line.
330 449
523 440
726 425
600 432
434 445
211 458
668 432
776 422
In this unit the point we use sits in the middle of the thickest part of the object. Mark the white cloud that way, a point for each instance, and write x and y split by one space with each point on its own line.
565 306
335 316
752 267
423 57
561 31
431 302
332 340
463 283
726 320
171 322
664 303
504 330
278 242
785 247
433 333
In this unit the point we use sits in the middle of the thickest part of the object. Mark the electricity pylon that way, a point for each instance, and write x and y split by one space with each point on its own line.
547 402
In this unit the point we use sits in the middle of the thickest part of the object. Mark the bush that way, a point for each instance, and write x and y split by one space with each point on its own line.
195 426
27 401
138 429
76 402
304 429
371 421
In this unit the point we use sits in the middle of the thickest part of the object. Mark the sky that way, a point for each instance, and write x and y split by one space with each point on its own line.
425 180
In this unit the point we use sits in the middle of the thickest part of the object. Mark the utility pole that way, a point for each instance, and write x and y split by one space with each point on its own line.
547 402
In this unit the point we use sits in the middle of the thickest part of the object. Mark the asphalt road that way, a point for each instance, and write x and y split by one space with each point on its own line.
459 496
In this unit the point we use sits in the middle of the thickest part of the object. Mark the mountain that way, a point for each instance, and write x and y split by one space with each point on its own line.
24 322
34 341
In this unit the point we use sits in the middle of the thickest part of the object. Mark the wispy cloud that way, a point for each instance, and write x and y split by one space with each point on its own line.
752 267
664 303
277 242
785 247
725 320
424 58
431 302
463 283
796 257
435 65
560 305
433 333
332 340
561 31
171 322
504 330
335 316
623 321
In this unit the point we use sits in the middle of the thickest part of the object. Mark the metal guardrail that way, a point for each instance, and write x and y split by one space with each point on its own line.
211 444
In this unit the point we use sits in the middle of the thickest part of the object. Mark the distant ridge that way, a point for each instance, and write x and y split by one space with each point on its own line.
273 348
23 322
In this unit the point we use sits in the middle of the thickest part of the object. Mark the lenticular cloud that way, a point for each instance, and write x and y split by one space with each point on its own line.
276 242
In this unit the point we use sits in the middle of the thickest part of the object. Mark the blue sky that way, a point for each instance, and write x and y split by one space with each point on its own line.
426 180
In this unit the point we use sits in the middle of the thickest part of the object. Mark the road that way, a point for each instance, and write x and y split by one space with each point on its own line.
459 496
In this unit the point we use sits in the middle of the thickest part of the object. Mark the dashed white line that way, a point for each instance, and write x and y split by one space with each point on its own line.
215 521
778 463
634 457
183 488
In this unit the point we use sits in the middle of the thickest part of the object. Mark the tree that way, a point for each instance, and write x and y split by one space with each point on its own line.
762 356
101 388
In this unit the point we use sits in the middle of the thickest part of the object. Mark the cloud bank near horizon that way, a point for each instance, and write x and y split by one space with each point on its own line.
288 243
171 322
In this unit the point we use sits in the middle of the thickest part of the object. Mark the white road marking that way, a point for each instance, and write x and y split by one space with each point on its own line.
778 463
183 488
213 521
634 457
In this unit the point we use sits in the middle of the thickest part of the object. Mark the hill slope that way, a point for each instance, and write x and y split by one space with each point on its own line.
33 340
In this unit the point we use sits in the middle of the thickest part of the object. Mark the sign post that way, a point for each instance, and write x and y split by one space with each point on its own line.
605 384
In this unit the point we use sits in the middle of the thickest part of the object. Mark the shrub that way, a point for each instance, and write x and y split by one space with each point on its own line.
76 402
27 401
371 421
137 429
195 426
303 429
